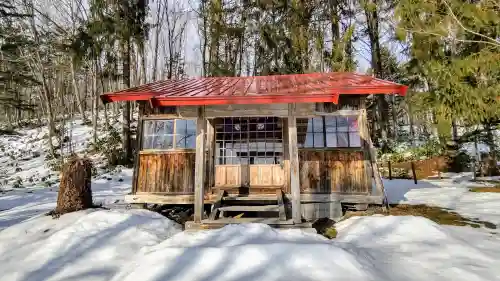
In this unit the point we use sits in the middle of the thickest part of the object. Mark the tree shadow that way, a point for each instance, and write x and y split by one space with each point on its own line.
87 249
243 252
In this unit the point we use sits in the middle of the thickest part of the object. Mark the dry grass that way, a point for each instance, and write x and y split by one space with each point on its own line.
436 214
495 188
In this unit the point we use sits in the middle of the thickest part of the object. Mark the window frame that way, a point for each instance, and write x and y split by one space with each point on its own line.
174 134
246 140
313 132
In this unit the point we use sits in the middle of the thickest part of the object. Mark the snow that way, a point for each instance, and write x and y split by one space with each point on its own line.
451 193
415 248
20 204
23 156
129 245
87 245
367 248
122 244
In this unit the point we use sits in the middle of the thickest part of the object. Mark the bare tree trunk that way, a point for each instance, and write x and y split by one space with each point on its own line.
50 115
39 70
77 92
103 90
159 24
126 145
394 117
95 101
204 36
143 64
492 159
373 33
454 130
412 129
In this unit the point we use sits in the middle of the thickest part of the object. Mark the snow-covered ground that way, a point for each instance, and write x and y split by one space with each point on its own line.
20 204
87 245
23 155
450 193
127 245
28 185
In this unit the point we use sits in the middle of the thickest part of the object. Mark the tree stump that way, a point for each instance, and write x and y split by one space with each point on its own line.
75 191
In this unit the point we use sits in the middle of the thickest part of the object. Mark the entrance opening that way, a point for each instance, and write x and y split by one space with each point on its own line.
249 151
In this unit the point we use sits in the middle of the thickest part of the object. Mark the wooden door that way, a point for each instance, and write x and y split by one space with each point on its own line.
249 153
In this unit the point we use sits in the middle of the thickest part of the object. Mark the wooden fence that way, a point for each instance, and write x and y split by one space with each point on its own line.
416 170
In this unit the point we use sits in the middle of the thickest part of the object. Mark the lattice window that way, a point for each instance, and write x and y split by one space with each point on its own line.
169 134
328 132
249 140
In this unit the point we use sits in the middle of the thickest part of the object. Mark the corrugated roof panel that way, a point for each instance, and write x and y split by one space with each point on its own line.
313 87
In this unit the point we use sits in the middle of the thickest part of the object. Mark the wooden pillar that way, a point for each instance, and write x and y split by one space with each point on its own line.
370 153
210 178
138 147
199 169
294 164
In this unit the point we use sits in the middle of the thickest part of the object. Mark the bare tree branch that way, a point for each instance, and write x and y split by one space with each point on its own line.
492 41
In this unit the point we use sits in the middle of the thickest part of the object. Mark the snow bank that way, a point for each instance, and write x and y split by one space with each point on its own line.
450 193
244 252
367 248
96 245
88 245
415 248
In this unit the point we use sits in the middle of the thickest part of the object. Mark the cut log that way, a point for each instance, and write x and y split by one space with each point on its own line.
75 191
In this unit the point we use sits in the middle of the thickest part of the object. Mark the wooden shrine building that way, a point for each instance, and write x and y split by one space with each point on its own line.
297 145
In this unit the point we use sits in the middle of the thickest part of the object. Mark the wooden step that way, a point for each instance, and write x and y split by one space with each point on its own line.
270 221
256 208
214 224
251 198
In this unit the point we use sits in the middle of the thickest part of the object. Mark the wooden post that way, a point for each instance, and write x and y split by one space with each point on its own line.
370 150
390 169
210 178
413 172
363 133
294 164
199 169
138 147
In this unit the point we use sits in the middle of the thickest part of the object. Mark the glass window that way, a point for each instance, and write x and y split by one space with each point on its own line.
185 134
318 125
309 140
330 124
328 131
250 140
342 139
342 124
319 140
331 140
354 139
159 134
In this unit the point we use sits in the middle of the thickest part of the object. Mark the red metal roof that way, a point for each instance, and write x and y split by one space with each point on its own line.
312 87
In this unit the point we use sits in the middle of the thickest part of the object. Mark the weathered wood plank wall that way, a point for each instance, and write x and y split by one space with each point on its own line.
228 176
267 175
332 171
166 172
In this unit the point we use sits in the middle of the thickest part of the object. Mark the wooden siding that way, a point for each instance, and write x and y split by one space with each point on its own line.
228 175
267 175
346 103
332 171
166 172
250 175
